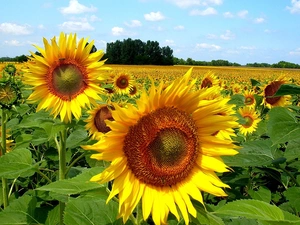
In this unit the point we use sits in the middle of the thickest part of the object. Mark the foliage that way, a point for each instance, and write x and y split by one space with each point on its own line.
136 52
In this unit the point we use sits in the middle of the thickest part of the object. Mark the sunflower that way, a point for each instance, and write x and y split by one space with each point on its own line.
249 98
163 151
95 122
209 80
251 120
271 88
123 82
66 77
236 88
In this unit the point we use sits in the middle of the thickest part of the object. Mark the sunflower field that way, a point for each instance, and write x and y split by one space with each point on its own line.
83 142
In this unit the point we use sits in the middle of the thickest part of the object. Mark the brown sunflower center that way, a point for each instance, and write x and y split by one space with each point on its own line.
122 82
248 121
206 83
270 90
99 121
162 147
67 81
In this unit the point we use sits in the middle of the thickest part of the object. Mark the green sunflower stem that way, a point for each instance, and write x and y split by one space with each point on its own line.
139 213
3 151
62 169
138 218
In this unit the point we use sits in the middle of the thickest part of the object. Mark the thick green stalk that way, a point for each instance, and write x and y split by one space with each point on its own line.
62 169
3 151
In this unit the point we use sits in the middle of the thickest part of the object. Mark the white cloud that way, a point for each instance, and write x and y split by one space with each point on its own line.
211 47
227 36
13 43
206 12
295 52
189 3
247 47
157 28
169 42
259 20
242 14
211 36
120 31
41 26
15 29
134 23
179 27
94 18
76 26
268 31
76 8
154 16
228 15
295 7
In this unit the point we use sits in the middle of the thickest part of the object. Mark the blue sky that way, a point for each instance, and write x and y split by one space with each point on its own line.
242 31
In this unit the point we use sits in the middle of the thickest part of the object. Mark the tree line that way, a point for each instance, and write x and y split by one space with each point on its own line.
137 52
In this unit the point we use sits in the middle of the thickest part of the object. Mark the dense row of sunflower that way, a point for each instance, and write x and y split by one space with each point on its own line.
163 130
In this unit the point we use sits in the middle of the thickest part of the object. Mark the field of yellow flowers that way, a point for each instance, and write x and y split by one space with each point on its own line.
83 142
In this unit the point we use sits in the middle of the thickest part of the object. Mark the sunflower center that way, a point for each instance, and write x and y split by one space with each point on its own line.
248 121
270 90
162 147
168 148
206 83
249 101
122 82
8 94
99 121
67 81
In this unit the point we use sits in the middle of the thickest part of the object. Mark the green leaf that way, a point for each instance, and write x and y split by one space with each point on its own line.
17 163
76 138
53 216
252 153
288 89
52 128
292 195
292 150
75 185
252 209
237 99
20 211
255 82
282 125
263 194
92 211
205 217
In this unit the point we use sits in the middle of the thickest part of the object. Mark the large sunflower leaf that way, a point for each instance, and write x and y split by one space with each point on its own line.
75 185
252 153
205 217
288 89
252 209
76 137
292 150
92 211
17 163
20 211
282 125
53 216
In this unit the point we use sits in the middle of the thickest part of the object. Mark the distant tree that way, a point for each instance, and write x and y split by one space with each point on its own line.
167 55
